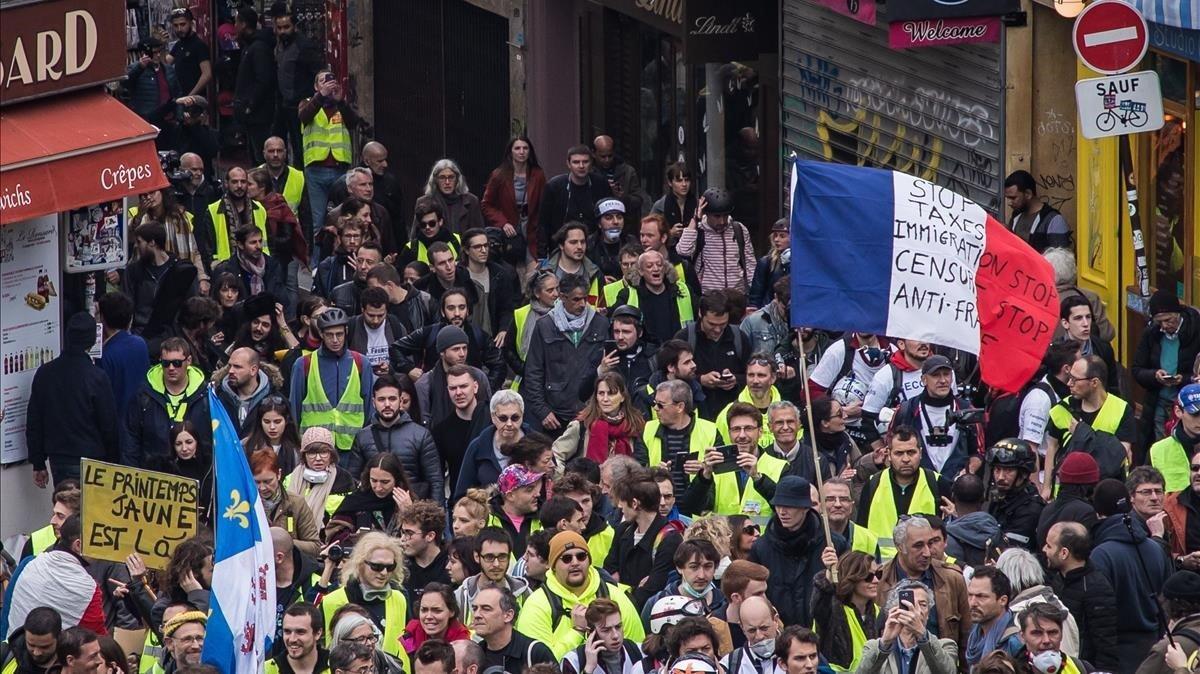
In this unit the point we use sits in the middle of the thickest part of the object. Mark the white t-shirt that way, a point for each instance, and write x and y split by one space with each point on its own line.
911 386
1034 416
377 344
855 384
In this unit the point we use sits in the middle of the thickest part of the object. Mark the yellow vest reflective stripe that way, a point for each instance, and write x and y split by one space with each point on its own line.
152 651
10 667
1171 459
883 516
858 638
395 611
863 539
332 501
767 438
422 254
323 137
345 420
683 300
599 545
1107 419
729 500
704 435
42 539
221 230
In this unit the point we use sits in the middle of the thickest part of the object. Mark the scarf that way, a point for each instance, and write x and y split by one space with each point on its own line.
566 323
316 494
367 503
980 643
536 311
255 271
607 437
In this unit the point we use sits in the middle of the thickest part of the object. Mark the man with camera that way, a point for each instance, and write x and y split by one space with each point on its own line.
952 432
193 184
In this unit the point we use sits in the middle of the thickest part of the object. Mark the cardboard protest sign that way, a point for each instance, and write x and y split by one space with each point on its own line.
126 510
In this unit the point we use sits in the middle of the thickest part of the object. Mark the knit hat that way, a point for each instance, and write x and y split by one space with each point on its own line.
1110 498
182 619
450 335
1079 468
564 541
1164 302
81 331
1183 585
516 476
315 435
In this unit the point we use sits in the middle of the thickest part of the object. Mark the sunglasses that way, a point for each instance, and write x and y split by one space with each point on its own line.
429 224
1196 467
874 575
174 362
658 404
571 558
381 568
505 418
751 529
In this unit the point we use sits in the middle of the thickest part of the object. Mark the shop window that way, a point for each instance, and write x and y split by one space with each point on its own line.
728 145
1166 187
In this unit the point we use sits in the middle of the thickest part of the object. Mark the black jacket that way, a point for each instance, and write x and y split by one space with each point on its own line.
413 445
356 332
332 272
829 612
1019 513
1146 359
564 201
157 304
430 284
555 368
273 276
146 443
503 291
71 410
1066 507
1105 351
415 312
520 654
1090 598
255 89
346 296
419 349
793 557
635 561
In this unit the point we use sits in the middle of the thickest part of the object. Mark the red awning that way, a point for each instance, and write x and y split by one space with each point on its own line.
72 151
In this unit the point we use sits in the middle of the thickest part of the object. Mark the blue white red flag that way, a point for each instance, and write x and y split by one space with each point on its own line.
887 253
242 622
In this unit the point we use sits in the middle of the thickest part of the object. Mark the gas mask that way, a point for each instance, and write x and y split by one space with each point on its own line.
1047 662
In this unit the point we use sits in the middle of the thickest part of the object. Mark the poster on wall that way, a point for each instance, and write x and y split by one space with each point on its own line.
30 317
96 238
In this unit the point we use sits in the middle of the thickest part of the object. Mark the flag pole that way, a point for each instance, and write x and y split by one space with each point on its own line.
812 441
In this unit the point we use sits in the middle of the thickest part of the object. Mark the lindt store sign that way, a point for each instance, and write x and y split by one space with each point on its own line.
59 45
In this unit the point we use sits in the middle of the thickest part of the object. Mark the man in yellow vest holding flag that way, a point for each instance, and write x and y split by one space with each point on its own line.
325 122
331 385
903 488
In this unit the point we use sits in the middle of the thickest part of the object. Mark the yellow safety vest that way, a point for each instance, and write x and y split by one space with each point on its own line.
683 301
1107 419
152 652
520 324
599 545
611 290
767 438
345 420
293 189
221 230
271 667
325 136
863 539
728 499
332 501
704 435
1171 459
42 539
422 254
395 614
883 516
858 638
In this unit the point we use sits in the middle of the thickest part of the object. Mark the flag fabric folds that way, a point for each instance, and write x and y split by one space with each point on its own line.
242 622
887 253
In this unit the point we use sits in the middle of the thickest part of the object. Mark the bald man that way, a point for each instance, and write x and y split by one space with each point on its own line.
246 384
760 623
387 187
622 180
286 180
197 192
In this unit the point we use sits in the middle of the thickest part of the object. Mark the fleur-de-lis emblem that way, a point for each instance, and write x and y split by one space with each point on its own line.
237 510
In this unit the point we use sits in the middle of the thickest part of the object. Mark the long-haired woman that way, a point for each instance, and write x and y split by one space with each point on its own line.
274 428
447 186
847 611
609 424
161 206
513 196
383 489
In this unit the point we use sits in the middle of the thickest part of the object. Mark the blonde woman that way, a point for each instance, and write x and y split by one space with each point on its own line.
471 512
448 187
372 577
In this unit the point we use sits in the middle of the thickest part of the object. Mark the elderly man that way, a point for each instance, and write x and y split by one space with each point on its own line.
360 183
761 625
662 295
950 611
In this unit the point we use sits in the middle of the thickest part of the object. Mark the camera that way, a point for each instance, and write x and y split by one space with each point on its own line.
337 553
168 161
939 436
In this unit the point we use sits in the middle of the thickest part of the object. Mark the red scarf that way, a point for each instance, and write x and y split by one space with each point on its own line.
606 438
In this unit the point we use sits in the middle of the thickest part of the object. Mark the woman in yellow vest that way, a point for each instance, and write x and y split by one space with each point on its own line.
542 293
844 614
372 577
161 206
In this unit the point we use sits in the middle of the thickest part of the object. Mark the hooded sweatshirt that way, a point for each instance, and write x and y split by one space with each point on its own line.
536 619
1117 546
239 408
968 536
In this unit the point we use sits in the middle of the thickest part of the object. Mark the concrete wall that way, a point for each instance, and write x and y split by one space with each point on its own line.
23 507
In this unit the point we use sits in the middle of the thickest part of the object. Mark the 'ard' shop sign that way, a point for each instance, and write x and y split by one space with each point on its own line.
59 45
718 31
904 10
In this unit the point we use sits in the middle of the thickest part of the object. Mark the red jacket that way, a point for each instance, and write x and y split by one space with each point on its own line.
500 203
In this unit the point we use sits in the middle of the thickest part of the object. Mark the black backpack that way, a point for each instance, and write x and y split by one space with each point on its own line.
1004 412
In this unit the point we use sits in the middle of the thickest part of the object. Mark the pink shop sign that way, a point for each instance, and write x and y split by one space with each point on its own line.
859 10
936 32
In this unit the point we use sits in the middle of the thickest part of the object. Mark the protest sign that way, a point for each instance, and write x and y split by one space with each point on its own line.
126 510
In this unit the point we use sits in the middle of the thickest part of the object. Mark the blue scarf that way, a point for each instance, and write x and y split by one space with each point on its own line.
980 644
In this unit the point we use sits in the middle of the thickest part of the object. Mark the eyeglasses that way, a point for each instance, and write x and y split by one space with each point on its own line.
275 399
365 669
429 224
751 529
1071 379
447 179
478 246
761 360
571 558
381 568
173 362
1153 491
506 418
369 639
493 558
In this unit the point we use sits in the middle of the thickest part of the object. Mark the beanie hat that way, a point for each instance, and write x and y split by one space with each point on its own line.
81 331
564 541
1108 498
1164 302
450 335
1079 468
1183 586
315 435
182 619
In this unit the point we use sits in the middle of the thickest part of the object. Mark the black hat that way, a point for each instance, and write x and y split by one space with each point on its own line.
1110 498
792 491
936 362
1164 302
1183 585
81 331
262 304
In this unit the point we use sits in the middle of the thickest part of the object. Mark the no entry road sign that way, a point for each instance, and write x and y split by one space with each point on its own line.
1110 36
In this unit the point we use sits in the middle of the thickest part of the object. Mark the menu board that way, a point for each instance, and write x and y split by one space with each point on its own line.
30 319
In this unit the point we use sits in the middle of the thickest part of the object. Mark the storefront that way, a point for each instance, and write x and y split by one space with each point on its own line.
932 111
69 151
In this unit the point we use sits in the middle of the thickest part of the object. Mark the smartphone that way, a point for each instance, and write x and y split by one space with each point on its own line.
907 596
680 459
727 376
728 463
610 345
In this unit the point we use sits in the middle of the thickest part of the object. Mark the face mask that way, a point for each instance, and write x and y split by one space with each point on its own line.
611 235
764 648
1047 662
315 476
687 589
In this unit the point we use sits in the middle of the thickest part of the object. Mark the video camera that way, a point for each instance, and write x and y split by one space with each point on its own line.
939 436
168 161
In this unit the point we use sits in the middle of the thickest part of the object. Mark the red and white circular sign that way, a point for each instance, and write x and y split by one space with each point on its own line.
1110 36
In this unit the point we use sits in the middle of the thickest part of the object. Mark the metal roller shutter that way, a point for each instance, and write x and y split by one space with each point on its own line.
933 112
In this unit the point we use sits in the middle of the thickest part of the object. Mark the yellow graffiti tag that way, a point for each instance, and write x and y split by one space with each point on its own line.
907 155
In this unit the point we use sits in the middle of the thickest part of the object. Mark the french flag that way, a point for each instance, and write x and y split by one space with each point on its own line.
887 253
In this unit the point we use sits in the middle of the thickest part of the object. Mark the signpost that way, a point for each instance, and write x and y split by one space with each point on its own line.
1119 104
1110 37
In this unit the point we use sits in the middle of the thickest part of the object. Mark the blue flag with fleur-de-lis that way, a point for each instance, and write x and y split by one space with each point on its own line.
242 621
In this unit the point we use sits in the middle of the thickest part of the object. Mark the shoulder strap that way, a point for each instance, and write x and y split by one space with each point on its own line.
739 345
691 335
557 611
735 661
1187 633
847 360
897 384
740 234
622 297
529 653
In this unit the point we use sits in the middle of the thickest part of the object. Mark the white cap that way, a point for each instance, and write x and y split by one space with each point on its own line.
605 206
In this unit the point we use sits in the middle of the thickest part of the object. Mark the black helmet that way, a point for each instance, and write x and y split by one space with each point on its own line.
332 318
627 311
1013 453
718 201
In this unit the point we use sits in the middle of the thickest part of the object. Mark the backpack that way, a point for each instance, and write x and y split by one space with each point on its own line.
739 235
1104 447
1003 412
739 341
558 611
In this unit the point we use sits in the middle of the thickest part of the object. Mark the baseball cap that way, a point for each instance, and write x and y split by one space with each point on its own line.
1189 398
936 362
781 225
605 206
516 476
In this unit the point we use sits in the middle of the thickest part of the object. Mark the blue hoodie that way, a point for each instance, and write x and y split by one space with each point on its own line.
1118 542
